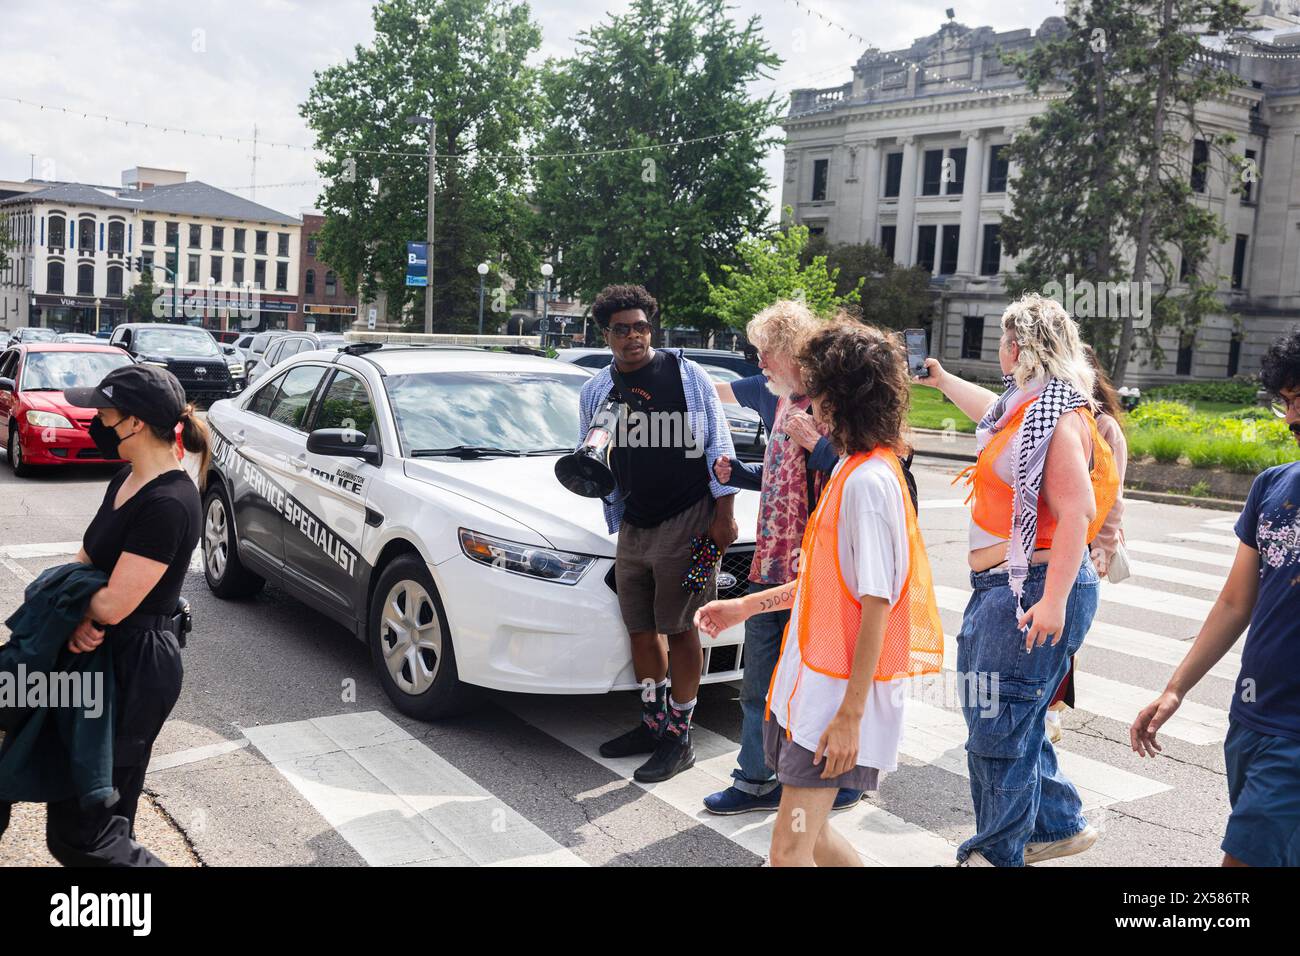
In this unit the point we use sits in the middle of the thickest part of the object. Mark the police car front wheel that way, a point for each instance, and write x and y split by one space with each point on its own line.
225 573
411 645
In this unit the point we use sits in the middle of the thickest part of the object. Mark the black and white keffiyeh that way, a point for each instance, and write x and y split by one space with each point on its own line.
1029 456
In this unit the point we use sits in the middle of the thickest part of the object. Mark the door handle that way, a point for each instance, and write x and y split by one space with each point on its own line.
238 438
300 462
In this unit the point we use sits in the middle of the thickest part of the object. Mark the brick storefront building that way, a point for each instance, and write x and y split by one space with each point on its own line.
324 305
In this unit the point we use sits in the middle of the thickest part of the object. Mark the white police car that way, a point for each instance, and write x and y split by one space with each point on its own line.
409 493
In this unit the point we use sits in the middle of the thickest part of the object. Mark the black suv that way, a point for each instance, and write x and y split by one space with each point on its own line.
191 354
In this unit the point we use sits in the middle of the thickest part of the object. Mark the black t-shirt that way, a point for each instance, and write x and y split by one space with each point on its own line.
659 476
161 521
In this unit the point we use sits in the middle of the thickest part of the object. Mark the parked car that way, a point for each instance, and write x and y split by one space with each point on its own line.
38 425
747 431
287 346
257 347
32 333
235 362
191 354
410 494
85 338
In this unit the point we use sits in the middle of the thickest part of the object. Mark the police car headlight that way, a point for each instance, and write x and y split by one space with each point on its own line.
562 567
47 420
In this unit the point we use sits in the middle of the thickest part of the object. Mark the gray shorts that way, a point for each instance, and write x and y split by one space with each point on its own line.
794 767
648 568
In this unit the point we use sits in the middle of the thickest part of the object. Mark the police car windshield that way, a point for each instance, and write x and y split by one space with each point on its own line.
58 371
515 411
176 342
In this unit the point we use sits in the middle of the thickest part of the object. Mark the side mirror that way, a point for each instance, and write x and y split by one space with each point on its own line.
6 384
343 443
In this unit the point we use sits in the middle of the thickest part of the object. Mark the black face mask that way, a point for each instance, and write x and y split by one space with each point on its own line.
105 438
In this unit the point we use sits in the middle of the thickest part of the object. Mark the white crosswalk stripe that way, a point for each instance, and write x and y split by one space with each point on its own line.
1163 572
881 838
937 736
1111 637
1205 537
1195 723
396 801
1196 555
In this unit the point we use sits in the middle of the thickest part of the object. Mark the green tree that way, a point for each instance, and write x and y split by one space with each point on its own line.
1104 192
891 296
463 63
770 268
139 299
620 206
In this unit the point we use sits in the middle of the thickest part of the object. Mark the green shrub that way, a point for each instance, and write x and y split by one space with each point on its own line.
1228 390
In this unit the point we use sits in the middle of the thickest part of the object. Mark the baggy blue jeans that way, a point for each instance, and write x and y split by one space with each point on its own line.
762 647
1019 792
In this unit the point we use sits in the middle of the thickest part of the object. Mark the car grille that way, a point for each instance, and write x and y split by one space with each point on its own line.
89 453
214 373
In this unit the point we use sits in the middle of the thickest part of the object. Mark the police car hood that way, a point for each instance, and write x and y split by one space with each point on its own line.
526 490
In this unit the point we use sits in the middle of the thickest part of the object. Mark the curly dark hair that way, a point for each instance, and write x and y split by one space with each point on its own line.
858 374
621 298
1281 365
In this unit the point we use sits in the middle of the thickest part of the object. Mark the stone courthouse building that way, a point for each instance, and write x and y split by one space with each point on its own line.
914 160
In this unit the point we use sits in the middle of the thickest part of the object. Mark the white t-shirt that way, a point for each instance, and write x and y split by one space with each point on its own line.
874 562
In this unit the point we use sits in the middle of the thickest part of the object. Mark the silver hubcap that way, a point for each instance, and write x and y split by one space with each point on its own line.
216 547
410 637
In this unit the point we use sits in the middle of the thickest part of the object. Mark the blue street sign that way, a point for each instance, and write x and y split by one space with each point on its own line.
417 263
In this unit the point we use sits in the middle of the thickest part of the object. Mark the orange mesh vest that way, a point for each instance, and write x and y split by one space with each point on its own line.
829 615
991 509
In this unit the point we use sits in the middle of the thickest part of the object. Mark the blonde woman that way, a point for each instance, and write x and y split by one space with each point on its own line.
1041 488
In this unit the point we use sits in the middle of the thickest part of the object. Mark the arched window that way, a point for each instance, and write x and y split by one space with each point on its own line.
86 235
116 236
85 279
331 284
115 280
309 282
57 235
54 277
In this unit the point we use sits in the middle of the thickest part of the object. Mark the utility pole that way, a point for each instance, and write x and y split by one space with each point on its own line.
428 231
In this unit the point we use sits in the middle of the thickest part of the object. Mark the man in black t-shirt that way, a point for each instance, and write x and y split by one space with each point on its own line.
672 431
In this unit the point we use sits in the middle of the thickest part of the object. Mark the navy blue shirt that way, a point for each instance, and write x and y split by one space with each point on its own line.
1267 699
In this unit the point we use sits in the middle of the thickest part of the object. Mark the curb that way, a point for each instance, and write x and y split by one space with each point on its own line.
1139 494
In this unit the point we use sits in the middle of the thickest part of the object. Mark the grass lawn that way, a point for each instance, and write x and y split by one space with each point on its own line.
931 410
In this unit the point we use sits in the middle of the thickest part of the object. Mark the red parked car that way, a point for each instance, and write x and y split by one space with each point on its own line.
38 426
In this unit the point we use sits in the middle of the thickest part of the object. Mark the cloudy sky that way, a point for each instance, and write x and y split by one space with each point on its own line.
221 66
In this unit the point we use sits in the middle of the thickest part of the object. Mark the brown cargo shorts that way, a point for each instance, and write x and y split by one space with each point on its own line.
649 565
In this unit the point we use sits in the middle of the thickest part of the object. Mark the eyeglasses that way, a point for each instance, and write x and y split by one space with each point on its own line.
1281 404
621 330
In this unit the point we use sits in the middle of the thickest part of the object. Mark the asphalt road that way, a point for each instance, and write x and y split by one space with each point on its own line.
271 757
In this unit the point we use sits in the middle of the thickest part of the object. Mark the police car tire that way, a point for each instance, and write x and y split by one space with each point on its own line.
236 581
447 696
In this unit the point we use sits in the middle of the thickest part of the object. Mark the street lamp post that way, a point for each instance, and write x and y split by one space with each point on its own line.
482 275
98 301
428 232
547 271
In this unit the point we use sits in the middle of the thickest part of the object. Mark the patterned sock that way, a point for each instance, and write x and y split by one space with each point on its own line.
679 717
654 711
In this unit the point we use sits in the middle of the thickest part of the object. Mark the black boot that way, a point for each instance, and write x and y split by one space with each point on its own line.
673 755
640 740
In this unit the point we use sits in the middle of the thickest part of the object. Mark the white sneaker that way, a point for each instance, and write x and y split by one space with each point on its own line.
1038 852
1053 721
976 858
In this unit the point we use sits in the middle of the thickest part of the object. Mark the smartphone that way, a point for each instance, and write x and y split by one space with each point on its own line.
916 352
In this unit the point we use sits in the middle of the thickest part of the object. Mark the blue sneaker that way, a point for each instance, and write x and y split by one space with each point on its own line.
729 801
847 798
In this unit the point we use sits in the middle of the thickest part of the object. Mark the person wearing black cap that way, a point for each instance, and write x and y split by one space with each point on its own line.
142 537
